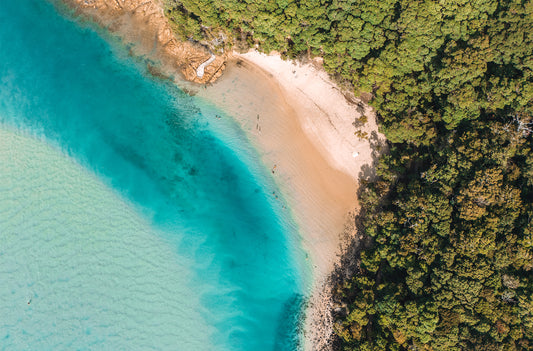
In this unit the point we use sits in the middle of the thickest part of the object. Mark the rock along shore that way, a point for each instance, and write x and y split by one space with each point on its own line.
143 24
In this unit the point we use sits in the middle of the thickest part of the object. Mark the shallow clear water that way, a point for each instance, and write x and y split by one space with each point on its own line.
130 217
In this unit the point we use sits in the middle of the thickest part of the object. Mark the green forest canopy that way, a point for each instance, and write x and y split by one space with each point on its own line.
449 221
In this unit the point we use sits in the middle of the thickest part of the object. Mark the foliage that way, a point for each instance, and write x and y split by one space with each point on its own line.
450 216
451 260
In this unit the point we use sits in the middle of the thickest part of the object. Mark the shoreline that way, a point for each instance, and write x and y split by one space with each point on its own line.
143 25
299 121
290 132
319 192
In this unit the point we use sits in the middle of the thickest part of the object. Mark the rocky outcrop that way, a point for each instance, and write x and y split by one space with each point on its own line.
142 24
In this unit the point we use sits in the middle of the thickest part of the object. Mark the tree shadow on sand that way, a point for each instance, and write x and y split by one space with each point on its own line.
353 242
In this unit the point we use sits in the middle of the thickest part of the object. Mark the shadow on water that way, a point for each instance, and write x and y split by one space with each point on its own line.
290 325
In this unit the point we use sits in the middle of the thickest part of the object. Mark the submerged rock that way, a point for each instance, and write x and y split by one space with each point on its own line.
142 23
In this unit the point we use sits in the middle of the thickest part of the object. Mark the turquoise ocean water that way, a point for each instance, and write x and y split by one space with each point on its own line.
130 217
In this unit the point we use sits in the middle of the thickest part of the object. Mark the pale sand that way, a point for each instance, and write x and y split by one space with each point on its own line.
305 135
323 110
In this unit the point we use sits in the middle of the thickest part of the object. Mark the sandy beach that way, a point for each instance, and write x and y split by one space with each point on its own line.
309 133
302 125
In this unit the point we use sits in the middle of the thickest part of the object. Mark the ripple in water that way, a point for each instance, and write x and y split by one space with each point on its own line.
166 236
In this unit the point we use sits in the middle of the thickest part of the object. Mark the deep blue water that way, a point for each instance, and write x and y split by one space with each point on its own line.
196 181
